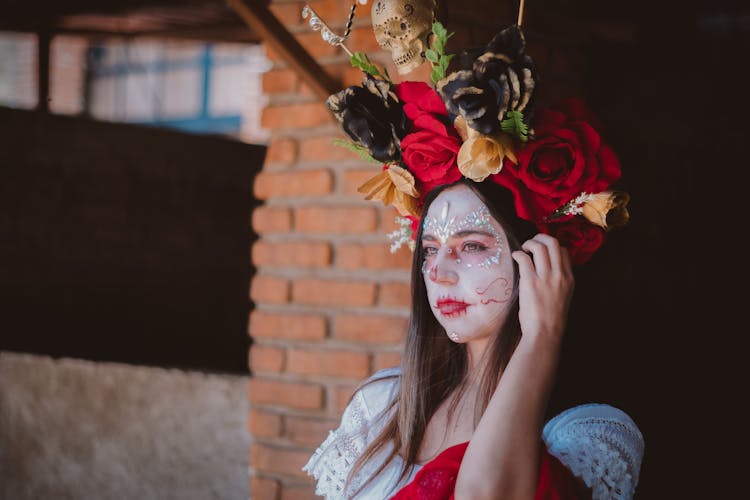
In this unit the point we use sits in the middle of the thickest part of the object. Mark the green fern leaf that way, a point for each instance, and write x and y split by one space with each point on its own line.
355 148
436 54
361 61
515 125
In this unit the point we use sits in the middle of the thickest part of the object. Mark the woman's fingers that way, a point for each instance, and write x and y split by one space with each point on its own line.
525 265
567 265
539 254
546 285
548 255
553 251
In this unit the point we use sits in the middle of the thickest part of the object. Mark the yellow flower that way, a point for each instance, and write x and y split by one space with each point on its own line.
393 186
482 155
461 127
607 209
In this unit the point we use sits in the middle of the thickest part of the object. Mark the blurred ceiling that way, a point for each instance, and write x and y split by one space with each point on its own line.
251 21
218 20
209 20
248 21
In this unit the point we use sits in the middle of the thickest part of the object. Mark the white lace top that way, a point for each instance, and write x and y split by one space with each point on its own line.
599 443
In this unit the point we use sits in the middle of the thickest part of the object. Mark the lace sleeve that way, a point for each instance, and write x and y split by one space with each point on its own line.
334 458
601 445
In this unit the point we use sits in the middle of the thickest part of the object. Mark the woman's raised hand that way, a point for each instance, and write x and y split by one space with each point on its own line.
545 288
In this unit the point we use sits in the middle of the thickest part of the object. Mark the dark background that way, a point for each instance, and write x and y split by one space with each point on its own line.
651 328
125 243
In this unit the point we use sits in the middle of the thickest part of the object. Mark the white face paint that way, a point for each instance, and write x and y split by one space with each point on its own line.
468 270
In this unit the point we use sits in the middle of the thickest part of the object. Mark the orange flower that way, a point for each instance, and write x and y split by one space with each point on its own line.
607 209
393 186
482 155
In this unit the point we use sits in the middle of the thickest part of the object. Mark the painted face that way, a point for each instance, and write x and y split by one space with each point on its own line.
468 270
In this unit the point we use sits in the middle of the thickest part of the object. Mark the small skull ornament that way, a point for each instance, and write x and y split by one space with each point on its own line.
403 28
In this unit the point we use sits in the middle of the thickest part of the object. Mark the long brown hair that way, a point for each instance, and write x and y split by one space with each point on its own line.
432 365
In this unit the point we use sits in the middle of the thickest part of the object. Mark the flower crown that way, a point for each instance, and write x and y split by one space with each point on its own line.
479 122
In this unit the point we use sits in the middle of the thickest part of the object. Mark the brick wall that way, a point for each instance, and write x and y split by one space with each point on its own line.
330 300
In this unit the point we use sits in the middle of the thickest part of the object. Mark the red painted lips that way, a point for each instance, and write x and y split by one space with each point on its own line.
451 307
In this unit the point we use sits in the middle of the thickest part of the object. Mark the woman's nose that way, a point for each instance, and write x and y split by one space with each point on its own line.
442 270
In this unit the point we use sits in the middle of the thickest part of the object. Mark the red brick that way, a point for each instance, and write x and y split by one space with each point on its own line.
333 293
293 395
370 328
347 74
272 220
286 461
280 80
341 397
341 72
269 289
375 256
272 55
266 358
323 149
315 45
308 431
264 424
287 13
364 39
281 151
334 363
294 183
264 487
298 492
292 254
305 115
395 294
336 220
386 359
336 12
287 326
310 40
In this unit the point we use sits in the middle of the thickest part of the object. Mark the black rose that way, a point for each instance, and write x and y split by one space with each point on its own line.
372 116
464 94
493 81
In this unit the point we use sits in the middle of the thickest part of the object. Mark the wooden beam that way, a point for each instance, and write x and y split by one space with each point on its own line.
44 38
262 21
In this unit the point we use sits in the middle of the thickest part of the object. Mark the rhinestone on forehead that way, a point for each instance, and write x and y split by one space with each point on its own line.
442 229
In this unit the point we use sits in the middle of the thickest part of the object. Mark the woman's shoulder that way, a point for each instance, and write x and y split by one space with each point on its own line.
391 373
361 421
378 390
600 444
381 379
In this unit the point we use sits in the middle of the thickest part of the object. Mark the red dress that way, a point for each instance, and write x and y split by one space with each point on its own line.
437 479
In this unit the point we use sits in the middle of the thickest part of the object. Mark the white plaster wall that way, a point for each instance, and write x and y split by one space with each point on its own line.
73 429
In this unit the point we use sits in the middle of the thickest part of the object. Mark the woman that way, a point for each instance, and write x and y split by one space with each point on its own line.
488 313
503 199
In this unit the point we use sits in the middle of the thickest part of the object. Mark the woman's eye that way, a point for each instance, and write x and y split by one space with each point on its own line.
429 251
473 247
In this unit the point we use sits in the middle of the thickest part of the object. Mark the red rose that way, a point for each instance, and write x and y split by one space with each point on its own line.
430 150
419 98
430 155
567 157
579 236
